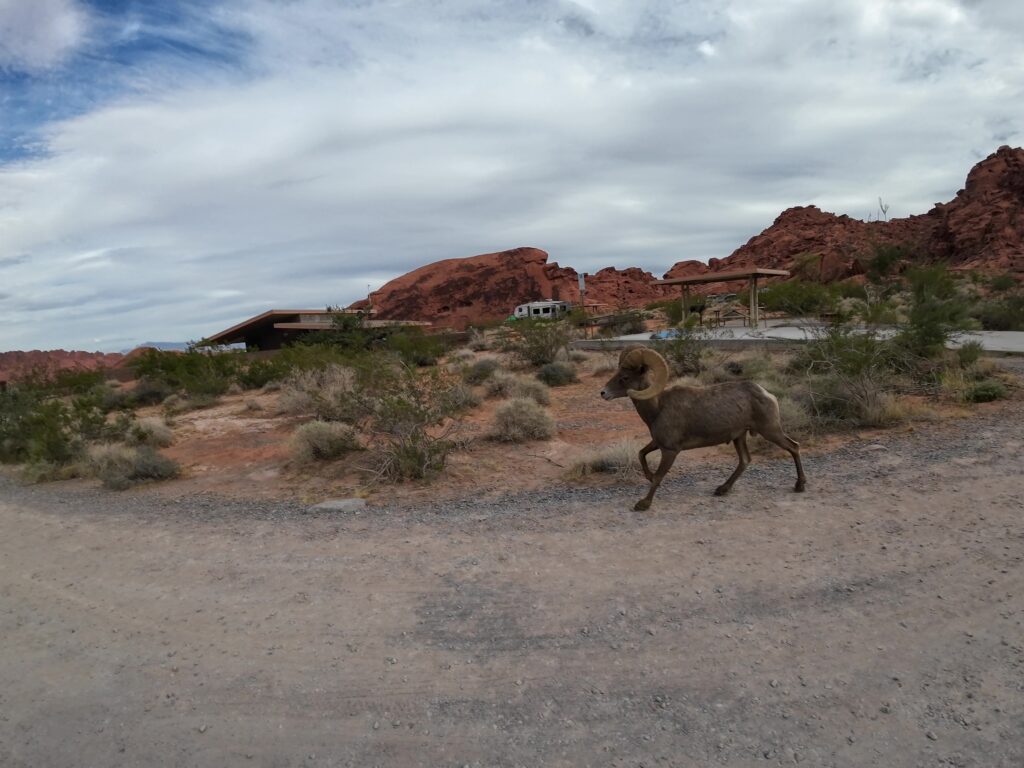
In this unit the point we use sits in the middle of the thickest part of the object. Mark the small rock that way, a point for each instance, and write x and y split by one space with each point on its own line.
931 736
202 728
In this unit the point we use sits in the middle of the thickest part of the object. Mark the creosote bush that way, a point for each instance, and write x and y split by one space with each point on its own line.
985 391
119 466
557 374
503 384
520 420
323 441
150 431
480 371
536 342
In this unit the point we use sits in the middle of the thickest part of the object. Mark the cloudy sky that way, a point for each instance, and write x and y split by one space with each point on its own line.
170 168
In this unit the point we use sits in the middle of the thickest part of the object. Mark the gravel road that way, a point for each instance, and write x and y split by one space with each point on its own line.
874 621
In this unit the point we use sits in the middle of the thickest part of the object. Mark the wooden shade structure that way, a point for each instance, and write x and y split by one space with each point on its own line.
726 277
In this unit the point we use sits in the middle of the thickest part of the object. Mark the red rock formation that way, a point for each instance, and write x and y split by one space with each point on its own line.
981 228
460 292
15 364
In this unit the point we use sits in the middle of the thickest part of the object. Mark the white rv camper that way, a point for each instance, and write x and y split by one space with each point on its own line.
541 310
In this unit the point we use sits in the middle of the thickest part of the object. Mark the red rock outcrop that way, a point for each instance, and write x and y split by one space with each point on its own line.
15 364
460 292
981 228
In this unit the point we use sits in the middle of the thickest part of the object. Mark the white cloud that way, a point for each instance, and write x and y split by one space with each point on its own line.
377 137
36 35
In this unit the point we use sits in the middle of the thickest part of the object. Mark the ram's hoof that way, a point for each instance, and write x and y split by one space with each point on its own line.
642 505
801 486
722 490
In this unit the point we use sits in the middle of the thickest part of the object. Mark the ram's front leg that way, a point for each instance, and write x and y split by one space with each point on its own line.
667 457
651 446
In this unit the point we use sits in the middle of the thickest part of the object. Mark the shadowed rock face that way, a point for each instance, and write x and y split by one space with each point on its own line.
981 228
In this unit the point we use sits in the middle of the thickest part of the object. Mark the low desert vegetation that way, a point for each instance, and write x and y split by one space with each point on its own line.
505 385
619 459
520 420
557 374
152 431
323 441
120 467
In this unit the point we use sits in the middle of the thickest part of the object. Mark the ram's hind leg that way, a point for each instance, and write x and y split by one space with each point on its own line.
792 447
667 457
743 454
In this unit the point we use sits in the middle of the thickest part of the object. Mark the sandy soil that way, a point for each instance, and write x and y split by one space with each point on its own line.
874 621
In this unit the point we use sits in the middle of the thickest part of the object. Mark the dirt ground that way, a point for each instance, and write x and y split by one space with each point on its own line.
874 621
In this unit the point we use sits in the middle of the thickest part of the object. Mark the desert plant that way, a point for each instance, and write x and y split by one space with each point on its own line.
504 384
149 391
119 467
936 314
685 353
985 391
520 420
969 353
480 371
1002 283
1003 314
620 458
797 297
557 374
150 431
536 342
478 340
323 441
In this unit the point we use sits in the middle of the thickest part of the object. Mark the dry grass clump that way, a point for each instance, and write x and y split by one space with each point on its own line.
601 363
503 384
520 420
557 374
327 393
481 370
120 466
620 459
323 441
797 419
152 430
253 406
478 340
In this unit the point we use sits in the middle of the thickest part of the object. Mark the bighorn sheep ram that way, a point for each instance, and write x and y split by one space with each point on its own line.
680 418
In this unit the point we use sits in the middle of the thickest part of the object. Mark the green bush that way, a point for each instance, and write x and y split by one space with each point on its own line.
1003 314
969 353
1003 283
536 342
415 347
985 391
937 312
685 354
557 374
257 373
480 371
149 391
520 420
119 467
150 431
886 259
797 297
323 441
197 372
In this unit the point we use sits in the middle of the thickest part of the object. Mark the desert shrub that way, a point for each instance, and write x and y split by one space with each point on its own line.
620 458
197 372
578 356
797 419
557 374
969 353
885 260
119 467
1002 283
685 354
150 431
477 340
673 309
415 347
459 398
602 364
480 371
936 314
412 422
253 406
520 420
536 342
1003 314
323 441
985 391
149 391
257 373
331 393
504 384
858 400
796 297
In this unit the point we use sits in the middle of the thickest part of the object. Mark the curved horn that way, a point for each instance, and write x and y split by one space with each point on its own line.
659 373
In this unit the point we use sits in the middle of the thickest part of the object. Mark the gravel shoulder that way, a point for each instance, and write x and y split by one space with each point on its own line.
874 621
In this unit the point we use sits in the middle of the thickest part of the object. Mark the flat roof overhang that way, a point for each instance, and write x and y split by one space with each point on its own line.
724 277
262 322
